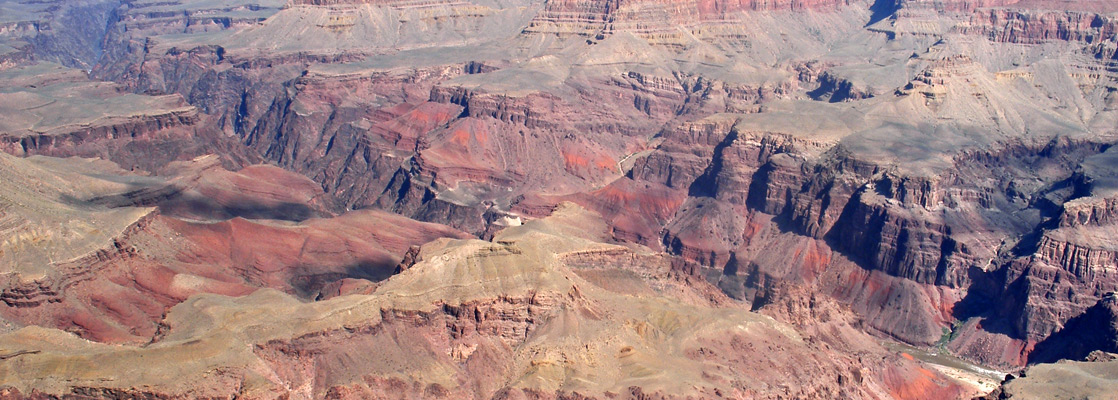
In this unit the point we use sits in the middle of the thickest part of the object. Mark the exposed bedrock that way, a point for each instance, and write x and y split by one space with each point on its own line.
129 31
636 210
379 136
1010 311
64 140
144 142
393 3
652 151
948 5
1064 268
1042 296
481 334
654 19
119 295
1089 211
72 37
316 125
1095 329
932 229
543 303
706 230
1038 26
196 237
363 135
684 154
64 32
768 265
908 243
1086 262
836 88
1088 23
919 241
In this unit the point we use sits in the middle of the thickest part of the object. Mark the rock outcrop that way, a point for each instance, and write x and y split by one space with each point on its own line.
535 313
934 172
154 242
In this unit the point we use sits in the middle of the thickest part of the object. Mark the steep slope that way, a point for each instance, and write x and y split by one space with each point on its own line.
58 111
62 32
941 167
522 316
103 253
40 200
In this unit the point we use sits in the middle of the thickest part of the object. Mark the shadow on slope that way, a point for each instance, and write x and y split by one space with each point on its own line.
881 9
1095 329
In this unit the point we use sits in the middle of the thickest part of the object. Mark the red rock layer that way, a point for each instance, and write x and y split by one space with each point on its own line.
142 142
913 240
952 5
120 294
1100 6
653 18
1016 26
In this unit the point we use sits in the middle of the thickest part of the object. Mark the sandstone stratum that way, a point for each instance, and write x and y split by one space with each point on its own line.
558 199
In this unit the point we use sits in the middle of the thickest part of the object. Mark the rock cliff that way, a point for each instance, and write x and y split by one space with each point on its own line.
535 313
934 172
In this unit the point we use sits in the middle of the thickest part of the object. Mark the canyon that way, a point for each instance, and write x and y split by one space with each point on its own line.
561 199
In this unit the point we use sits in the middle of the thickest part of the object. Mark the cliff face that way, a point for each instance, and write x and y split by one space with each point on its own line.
1015 26
1009 21
67 33
56 111
934 172
668 23
652 17
527 308
433 143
